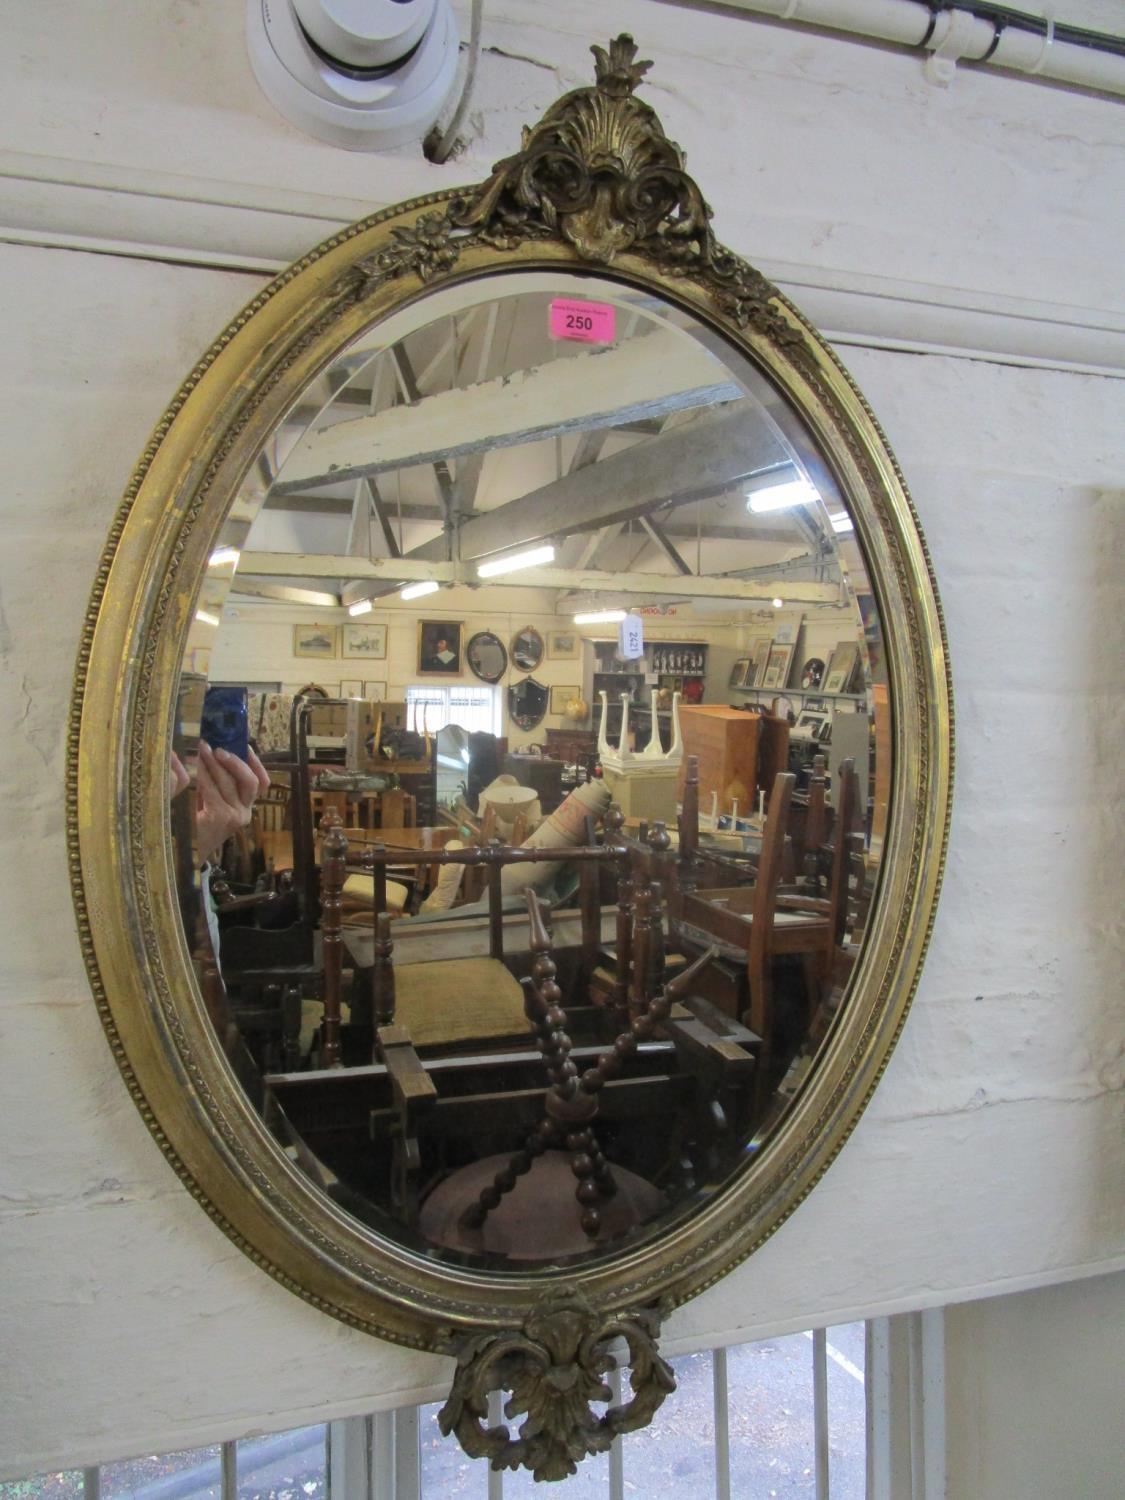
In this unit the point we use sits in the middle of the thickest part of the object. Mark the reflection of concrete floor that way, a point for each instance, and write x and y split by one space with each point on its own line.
771 1432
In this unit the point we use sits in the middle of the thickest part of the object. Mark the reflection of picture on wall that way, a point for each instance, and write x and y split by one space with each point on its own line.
777 666
365 640
314 640
841 668
351 687
563 645
561 695
759 651
439 646
738 672
375 692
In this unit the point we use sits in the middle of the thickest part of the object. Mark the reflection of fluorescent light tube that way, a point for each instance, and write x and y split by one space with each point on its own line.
777 603
223 555
841 522
206 618
528 559
782 496
601 617
416 590
360 607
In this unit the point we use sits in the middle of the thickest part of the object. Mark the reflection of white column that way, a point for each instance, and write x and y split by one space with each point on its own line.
653 750
677 750
623 743
603 736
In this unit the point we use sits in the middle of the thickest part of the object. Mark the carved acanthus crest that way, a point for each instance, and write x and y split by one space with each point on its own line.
599 172
554 1367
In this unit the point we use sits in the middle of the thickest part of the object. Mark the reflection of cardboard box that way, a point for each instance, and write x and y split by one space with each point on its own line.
327 721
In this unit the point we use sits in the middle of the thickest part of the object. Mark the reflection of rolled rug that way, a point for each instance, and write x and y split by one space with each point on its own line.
444 893
565 826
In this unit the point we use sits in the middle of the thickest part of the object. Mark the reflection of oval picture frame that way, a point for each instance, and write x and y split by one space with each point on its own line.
439 647
527 649
364 641
812 673
487 656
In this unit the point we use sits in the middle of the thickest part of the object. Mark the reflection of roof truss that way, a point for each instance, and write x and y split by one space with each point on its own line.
256 566
642 381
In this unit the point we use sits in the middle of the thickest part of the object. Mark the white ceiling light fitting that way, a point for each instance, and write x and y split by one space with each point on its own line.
530 559
782 496
416 590
360 607
601 617
362 74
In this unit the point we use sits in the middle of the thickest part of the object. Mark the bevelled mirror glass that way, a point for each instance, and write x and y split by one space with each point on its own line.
487 656
486 1050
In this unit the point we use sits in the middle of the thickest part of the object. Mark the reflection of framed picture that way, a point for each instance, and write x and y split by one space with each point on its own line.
365 640
777 666
786 631
563 645
841 668
759 651
376 692
351 687
738 672
439 647
561 696
314 640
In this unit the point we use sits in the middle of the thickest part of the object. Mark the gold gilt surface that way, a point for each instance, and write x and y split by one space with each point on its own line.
595 183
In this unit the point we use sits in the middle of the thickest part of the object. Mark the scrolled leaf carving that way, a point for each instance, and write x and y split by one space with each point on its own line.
599 172
554 1368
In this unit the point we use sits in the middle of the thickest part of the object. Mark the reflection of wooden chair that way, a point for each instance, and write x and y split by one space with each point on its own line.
271 811
767 922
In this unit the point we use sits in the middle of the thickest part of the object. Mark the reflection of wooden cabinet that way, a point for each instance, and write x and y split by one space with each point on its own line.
571 744
734 749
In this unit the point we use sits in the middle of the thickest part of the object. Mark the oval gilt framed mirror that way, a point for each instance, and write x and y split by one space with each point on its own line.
527 649
717 937
487 656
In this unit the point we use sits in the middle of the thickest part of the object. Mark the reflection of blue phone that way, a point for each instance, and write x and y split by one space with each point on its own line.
225 722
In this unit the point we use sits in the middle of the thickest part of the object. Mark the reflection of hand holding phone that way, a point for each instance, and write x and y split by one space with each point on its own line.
225 723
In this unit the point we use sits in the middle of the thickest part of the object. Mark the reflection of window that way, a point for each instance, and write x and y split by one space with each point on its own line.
473 706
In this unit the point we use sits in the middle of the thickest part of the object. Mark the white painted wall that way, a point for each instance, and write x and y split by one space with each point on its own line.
1034 1393
980 218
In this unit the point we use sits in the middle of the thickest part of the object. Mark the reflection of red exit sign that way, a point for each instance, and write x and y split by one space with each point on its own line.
655 609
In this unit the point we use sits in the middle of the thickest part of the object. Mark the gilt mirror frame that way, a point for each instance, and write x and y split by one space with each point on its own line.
596 186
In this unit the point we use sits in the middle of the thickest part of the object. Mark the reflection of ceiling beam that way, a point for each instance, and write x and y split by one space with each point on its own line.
410 389
664 544
649 378
284 593
684 464
380 509
337 505
393 571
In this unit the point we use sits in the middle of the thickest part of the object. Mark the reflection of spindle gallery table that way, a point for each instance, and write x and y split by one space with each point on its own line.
278 847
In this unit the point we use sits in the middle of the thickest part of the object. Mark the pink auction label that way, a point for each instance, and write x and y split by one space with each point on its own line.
588 322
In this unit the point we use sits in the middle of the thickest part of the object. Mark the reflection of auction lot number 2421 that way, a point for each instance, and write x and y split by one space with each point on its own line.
588 322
